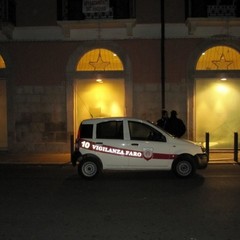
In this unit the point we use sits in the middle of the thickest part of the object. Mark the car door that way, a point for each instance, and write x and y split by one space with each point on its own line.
156 153
109 144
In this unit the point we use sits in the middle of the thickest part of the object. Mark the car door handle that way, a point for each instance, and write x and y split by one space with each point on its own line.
134 144
99 143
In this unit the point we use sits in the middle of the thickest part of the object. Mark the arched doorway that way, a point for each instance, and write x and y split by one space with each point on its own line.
217 95
3 107
98 84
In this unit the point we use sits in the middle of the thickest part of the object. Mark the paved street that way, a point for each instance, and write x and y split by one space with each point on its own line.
51 202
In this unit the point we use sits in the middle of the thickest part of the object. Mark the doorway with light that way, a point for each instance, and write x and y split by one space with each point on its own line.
99 89
217 95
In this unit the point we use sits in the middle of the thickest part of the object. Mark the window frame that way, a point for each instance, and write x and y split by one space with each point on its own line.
117 134
153 136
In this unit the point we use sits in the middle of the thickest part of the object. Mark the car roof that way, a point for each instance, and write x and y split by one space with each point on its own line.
103 119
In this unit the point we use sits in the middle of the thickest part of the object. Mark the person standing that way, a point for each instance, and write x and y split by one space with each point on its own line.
163 121
175 125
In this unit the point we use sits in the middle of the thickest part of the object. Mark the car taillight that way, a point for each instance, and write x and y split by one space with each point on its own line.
78 134
76 145
77 140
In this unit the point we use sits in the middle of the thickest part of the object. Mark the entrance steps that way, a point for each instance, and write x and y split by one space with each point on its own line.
226 156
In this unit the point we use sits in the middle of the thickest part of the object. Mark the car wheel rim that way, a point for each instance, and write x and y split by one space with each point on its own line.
89 169
184 168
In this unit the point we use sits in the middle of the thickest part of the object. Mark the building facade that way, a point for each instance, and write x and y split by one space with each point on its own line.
67 60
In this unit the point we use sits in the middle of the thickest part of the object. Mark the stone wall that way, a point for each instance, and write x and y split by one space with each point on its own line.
40 119
148 100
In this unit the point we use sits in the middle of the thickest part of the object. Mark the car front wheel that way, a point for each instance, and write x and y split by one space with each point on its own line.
183 168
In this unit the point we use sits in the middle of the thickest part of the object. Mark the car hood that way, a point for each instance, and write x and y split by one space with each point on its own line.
181 141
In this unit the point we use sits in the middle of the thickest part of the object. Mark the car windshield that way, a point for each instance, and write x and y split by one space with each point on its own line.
155 125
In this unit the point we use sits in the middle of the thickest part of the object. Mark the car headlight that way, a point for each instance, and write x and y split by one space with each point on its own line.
203 149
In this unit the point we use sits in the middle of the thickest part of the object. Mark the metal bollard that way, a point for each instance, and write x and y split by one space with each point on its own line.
207 143
71 143
236 147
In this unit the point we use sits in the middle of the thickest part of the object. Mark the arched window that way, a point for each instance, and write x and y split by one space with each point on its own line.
2 63
100 60
219 58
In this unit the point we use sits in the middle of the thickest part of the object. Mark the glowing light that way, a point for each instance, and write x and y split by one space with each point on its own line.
223 79
99 100
2 63
218 100
222 89
115 109
99 80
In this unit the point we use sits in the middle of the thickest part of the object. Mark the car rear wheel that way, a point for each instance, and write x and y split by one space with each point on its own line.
183 167
88 169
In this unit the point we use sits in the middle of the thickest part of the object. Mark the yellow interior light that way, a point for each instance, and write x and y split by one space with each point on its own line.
99 80
2 63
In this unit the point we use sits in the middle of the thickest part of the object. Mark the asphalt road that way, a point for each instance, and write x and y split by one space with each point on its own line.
51 202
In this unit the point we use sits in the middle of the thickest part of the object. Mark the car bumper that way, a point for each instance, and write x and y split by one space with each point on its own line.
75 157
201 160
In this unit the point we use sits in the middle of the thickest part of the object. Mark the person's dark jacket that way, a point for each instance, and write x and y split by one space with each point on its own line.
175 127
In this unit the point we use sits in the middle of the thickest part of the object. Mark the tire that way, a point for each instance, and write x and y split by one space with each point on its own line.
88 169
184 167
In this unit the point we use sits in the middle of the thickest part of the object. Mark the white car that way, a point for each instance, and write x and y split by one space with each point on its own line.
132 144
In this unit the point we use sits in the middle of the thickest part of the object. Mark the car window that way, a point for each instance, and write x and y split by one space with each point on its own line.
141 131
110 130
86 130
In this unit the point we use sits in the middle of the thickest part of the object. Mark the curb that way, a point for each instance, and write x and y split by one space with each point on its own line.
65 159
54 159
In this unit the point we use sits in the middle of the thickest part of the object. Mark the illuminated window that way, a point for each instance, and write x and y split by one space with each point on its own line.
219 58
100 60
2 63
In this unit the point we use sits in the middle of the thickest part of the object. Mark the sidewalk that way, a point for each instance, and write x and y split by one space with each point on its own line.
32 158
222 158
65 158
